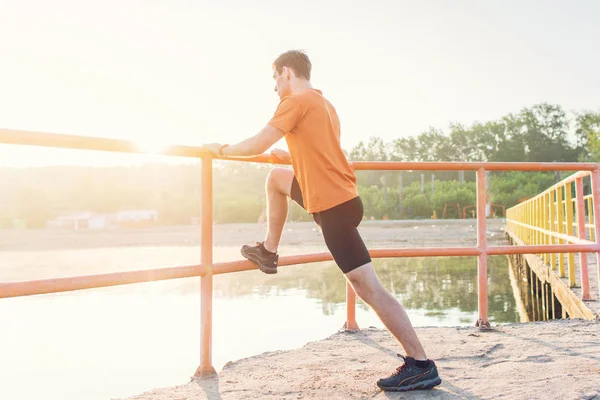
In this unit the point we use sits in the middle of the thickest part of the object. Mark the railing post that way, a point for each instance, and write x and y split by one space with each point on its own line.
538 221
544 225
482 322
583 265
350 324
596 206
552 226
206 259
590 207
569 231
541 224
527 219
560 228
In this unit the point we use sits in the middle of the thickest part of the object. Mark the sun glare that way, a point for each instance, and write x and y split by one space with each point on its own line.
152 145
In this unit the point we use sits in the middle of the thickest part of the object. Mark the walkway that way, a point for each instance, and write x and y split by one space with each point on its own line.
550 360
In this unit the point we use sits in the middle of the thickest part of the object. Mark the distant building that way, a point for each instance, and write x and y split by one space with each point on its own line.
92 220
137 218
75 221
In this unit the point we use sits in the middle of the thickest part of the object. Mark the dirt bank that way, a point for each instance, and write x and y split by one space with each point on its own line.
549 360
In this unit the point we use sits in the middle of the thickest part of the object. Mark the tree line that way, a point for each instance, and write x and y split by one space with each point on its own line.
541 133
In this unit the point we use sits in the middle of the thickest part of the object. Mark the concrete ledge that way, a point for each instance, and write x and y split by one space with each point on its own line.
559 359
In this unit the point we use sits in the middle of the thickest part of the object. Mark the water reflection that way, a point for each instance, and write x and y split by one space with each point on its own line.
444 288
434 285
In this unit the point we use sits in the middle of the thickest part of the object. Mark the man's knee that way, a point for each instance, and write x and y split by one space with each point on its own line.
363 290
364 281
280 180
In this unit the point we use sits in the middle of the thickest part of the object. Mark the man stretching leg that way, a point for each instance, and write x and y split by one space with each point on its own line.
323 182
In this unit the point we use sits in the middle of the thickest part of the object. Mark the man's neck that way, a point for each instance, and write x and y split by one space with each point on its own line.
298 85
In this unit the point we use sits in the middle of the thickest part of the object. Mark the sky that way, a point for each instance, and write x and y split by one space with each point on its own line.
194 72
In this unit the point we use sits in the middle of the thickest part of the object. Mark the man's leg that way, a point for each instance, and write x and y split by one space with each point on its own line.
339 225
417 372
277 186
367 286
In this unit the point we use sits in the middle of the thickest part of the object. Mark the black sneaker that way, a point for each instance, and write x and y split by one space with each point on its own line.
410 377
266 261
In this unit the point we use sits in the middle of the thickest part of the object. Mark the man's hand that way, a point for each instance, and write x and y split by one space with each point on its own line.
281 154
212 147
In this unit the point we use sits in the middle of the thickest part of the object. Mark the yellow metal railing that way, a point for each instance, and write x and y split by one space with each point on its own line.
555 216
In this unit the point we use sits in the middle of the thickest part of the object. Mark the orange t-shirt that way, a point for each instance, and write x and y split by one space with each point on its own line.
312 132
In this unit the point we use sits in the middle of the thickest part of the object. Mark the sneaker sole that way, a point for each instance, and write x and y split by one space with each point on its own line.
256 260
424 385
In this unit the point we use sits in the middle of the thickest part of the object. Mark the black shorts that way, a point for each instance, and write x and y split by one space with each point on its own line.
339 226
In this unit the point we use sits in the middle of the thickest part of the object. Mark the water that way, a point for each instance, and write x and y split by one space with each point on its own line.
118 342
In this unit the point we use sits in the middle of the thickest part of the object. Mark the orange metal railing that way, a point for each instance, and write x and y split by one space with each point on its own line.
554 216
207 268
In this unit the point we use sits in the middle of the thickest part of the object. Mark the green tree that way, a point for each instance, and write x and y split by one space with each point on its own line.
510 188
545 130
510 145
374 150
587 132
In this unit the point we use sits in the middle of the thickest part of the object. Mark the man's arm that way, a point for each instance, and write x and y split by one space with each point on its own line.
281 154
252 146
284 120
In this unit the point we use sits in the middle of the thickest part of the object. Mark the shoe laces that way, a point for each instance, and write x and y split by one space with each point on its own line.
262 245
401 368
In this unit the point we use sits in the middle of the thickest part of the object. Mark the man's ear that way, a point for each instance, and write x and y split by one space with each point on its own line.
286 72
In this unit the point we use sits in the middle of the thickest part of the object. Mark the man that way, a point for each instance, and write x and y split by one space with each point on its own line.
323 182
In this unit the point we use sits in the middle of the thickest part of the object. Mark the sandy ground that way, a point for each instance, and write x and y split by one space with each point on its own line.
543 360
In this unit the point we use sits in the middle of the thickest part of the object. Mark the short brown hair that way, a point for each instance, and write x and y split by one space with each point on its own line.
297 61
